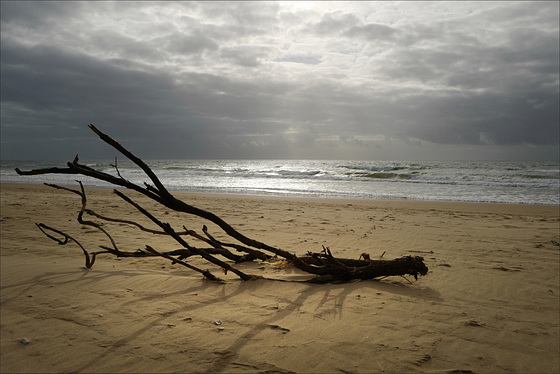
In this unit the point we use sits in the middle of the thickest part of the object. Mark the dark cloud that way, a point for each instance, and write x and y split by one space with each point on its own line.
371 32
281 80
247 56
184 44
301 59
335 23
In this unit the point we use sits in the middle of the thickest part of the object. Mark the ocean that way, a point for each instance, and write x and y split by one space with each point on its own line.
462 181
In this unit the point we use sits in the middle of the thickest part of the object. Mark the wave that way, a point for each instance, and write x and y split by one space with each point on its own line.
506 182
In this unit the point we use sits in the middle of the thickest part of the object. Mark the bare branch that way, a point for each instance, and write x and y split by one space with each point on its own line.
107 139
206 273
67 238
168 229
324 264
82 194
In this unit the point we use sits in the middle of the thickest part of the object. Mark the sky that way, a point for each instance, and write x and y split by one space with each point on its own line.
451 80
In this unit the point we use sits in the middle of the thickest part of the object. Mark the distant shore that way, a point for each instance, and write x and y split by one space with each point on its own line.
488 304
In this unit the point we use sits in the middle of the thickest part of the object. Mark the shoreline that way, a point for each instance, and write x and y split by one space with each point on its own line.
295 198
489 303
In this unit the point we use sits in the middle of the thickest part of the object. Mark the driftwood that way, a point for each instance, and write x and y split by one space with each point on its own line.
323 265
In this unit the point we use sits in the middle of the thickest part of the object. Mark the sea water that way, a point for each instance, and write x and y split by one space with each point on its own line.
520 182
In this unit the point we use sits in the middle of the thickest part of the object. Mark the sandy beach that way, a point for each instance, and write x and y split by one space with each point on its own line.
489 303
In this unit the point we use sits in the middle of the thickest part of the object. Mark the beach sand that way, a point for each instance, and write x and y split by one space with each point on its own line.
489 303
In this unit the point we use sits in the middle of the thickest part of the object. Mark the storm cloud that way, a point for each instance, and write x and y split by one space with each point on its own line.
314 80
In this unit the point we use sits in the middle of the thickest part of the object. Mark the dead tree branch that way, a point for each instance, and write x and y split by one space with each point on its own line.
324 265
67 239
